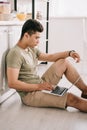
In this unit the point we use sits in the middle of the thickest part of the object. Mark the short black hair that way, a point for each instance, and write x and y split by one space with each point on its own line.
31 26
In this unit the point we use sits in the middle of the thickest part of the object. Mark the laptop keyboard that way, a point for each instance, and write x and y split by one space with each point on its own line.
59 90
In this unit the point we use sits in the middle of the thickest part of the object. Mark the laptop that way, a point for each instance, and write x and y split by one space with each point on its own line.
60 91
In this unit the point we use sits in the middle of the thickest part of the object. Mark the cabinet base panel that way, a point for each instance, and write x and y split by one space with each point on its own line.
4 95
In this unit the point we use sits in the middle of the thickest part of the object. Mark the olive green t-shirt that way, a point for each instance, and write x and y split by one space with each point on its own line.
26 61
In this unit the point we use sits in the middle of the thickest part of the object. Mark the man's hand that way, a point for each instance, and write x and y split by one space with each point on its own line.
75 56
45 86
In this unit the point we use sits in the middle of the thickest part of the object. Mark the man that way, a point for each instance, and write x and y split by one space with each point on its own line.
21 72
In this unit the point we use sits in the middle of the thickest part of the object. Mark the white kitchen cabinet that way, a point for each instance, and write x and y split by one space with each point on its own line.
9 35
85 46
67 33
14 35
3 50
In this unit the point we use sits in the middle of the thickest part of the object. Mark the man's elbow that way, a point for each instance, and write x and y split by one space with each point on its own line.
11 84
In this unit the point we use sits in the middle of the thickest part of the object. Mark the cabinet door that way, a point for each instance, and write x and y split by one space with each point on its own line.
14 35
66 34
85 46
3 51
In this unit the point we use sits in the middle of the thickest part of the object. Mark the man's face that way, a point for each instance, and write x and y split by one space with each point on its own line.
33 40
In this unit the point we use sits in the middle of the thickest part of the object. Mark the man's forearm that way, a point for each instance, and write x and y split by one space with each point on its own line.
60 55
53 57
56 56
22 86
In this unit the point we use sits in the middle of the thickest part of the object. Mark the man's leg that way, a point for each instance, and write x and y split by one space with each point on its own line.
54 74
41 99
72 75
76 102
64 67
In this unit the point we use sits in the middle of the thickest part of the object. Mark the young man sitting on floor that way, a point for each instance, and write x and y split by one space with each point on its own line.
22 61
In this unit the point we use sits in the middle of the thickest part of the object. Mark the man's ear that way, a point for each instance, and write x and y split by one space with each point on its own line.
26 35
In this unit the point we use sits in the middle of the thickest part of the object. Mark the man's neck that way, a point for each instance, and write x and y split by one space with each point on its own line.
21 44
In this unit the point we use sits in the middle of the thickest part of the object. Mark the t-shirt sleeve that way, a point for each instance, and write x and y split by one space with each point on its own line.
13 60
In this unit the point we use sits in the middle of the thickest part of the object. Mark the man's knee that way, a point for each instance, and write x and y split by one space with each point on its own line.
60 66
61 63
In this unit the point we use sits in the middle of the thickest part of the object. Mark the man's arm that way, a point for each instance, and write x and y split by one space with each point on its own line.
60 55
13 82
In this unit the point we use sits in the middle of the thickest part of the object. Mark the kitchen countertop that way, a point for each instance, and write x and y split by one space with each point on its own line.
19 23
11 23
69 17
